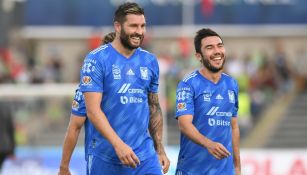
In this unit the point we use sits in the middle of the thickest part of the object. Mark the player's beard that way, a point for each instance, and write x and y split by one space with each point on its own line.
210 67
124 38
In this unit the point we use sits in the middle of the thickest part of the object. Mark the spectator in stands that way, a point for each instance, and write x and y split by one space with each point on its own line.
283 68
53 68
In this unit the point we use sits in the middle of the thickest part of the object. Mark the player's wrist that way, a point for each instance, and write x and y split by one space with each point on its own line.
117 143
207 143
64 167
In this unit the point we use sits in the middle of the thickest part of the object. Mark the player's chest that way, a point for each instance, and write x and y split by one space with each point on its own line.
215 96
134 74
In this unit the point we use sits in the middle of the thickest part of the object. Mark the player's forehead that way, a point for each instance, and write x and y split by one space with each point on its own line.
135 19
211 40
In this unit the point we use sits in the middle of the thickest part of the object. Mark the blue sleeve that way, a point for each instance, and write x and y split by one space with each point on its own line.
78 105
91 74
184 99
154 84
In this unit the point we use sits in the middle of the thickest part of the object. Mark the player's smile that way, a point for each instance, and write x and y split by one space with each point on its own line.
217 61
136 39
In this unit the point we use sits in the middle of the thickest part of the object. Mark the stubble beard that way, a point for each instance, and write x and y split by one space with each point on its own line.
209 66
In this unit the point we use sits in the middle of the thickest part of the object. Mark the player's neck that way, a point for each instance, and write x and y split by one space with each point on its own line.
117 45
214 77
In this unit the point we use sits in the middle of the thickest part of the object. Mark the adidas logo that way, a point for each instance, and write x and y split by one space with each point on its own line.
219 97
130 72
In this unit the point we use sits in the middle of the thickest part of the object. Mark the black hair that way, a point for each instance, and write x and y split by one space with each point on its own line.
126 9
203 33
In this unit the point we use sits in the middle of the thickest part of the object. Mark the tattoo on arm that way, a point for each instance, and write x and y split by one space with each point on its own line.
155 122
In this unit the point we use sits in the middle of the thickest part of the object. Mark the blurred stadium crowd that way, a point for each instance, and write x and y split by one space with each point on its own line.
43 45
263 73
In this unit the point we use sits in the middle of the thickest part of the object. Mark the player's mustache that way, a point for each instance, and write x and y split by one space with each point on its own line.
137 35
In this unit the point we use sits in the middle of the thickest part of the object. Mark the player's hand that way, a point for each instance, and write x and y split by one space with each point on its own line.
218 150
126 155
64 171
164 161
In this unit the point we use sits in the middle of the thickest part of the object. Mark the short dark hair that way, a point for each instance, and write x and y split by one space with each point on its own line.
126 9
108 38
203 33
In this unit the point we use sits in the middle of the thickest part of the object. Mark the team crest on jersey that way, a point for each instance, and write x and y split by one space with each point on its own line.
86 80
144 73
231 96
116 72
75 105
181 107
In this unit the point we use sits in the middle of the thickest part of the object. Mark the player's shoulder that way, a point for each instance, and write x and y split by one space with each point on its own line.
186 84
229 78
190 77
99 52
100 49
146 53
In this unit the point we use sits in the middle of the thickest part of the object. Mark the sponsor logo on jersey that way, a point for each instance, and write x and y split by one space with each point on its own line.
130 72
75 105
116 72
218 122
207 96
126 100
181 107
231 96
213 111
144 73
125 88
86 80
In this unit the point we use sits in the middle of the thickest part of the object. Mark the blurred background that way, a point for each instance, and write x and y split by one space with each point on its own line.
43 44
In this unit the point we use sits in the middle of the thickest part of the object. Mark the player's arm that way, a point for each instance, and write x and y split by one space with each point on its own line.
156 128
101 123
236 144
187 128
70 140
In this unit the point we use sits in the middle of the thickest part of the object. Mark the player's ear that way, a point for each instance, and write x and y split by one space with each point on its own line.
198 56
117 26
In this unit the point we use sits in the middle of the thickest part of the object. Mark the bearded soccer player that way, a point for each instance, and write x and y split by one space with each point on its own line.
120 84
207 106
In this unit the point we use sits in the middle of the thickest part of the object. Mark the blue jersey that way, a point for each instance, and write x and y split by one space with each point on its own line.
125 84
78 108
212 106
